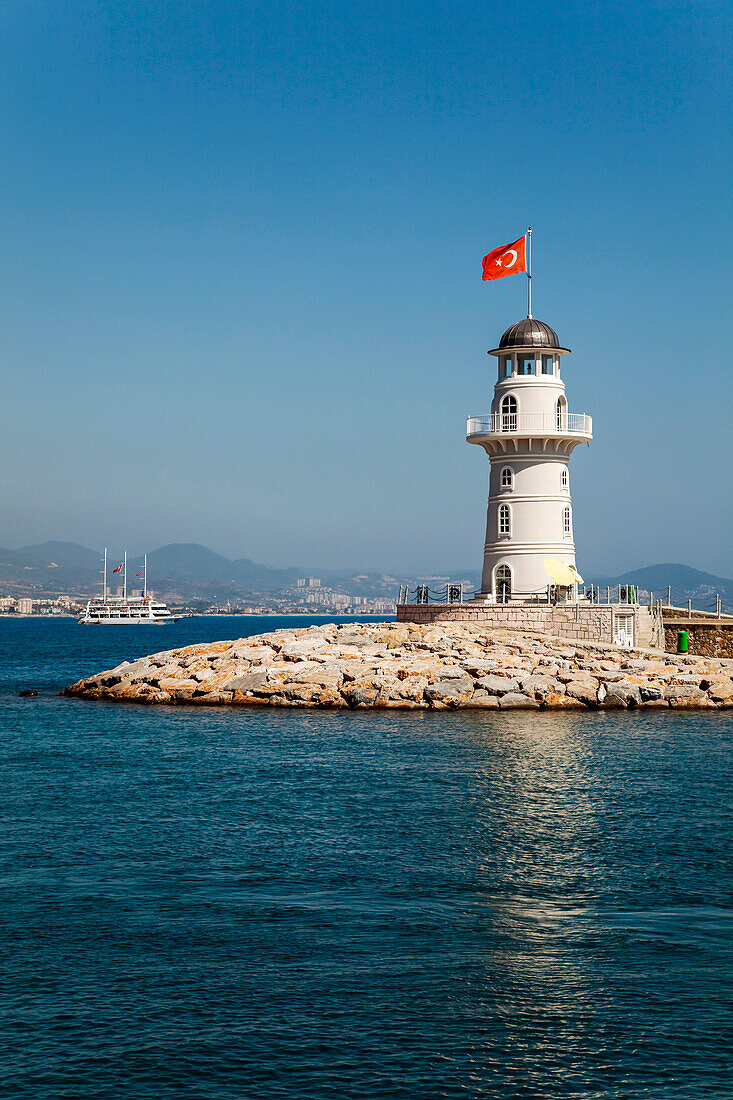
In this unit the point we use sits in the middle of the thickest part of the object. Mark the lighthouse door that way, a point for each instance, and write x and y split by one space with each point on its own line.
503 578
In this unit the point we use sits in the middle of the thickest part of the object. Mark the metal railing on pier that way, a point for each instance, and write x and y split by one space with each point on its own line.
423 594
618 594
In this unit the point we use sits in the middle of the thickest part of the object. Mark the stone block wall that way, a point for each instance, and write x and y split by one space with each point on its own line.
587 623
710 639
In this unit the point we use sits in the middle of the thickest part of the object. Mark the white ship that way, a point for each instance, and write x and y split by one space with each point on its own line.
119 610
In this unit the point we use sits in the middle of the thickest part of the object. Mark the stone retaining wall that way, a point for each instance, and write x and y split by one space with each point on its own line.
586 623
711 639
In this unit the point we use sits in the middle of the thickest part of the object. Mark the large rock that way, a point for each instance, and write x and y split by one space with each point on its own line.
584 689
256 655
310 694
450 693
408 691
484 701
177 685
360 692
686 695
325 675
538 687
555 701
303 648
251 683
720 689
496 685
517 699
203 674
621 693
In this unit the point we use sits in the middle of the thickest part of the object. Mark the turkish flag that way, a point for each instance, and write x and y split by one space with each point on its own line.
507 260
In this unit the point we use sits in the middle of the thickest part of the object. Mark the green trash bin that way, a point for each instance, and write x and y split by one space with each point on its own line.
683 641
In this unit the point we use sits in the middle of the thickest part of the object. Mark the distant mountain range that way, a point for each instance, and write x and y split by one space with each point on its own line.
187 571
179 571
64 566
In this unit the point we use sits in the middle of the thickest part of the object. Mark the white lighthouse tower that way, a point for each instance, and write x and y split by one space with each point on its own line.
529 436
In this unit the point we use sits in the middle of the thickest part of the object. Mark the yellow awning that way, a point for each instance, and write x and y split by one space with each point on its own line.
562 574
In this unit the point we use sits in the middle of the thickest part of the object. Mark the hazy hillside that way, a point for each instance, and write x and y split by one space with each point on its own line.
51 567
186 568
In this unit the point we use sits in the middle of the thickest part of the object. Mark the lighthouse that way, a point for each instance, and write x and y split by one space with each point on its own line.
529 436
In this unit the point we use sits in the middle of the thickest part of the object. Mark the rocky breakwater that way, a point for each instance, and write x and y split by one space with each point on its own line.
405 665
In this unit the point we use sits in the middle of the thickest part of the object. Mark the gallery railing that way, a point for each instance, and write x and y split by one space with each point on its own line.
502 423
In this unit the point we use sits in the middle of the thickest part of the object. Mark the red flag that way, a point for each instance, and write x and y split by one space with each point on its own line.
138 574
117 570
507 260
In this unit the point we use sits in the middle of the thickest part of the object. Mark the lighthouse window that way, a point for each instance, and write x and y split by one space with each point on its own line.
505 519
565 522
505 366
561 414
509 413
548 364
507 478
525 364
564 479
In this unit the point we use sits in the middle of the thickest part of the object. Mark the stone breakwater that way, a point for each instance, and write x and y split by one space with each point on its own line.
407 665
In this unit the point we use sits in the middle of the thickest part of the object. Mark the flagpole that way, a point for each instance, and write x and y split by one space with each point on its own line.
124 579
529 272
105 574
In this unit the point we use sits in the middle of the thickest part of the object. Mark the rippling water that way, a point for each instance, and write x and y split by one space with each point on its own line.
255 903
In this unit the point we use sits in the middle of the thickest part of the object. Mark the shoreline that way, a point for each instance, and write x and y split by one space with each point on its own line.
411 666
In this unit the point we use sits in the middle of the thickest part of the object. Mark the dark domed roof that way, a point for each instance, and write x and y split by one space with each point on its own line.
529 333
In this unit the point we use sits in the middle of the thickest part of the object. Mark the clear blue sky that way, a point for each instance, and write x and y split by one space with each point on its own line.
241 271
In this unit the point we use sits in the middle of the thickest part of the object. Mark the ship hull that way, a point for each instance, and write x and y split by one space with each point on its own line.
128 621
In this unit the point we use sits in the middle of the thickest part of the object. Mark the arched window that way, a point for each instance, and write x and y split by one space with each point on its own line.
503 583
509 413
566 523
507 477
564 478
561 414
505 519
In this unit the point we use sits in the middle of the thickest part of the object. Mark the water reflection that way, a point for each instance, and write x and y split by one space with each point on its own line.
531 801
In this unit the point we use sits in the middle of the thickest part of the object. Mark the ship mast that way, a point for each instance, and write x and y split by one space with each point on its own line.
104 588
145 578
124 580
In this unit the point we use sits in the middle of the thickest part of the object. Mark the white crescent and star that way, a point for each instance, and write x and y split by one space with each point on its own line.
511 255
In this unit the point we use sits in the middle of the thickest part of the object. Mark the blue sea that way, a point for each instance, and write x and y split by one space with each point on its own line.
235 904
